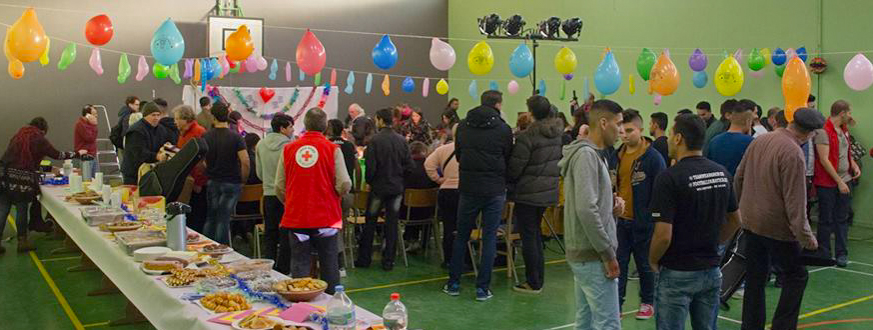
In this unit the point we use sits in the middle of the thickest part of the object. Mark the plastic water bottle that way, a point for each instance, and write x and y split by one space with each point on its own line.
394 315
341 311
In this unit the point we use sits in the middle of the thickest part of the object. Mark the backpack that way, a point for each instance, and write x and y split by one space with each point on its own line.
115 135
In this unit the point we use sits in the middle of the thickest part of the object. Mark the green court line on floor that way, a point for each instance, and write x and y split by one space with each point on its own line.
61 258
391 285
51 283
98 324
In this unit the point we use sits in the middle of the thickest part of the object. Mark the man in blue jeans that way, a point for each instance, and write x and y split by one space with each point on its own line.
695 209
483 144
227 166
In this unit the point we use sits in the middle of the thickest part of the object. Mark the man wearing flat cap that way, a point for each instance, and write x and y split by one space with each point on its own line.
770 185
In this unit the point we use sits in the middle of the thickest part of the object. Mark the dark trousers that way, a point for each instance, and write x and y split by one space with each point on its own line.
21 213
275 248
760 251
377 202
197 218
469 207
634 237
833 208
448 205
528 221
302 241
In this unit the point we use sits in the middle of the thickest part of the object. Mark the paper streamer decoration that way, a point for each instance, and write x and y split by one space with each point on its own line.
350 83
142 68
95 62
189 68
332 77
473 90
425 87
369 85
287 71
274 67
386 86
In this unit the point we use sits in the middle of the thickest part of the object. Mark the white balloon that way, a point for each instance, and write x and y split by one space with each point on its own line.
442 55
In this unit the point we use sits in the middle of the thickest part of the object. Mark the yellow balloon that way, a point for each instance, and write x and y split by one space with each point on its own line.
442 87
27 39
386 86
481 58
766 54
728 78
565 61
44 58
630 82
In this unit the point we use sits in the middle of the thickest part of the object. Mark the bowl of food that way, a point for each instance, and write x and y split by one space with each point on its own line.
256 322
300 289
215 249
86 197
223 302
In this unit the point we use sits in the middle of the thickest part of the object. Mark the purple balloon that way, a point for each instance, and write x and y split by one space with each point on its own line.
568 76
697 61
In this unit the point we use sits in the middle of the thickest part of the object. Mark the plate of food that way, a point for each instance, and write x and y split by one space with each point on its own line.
161 266
300 289
117 226
257 322
86 197
291 327
215 249
194 237
223 302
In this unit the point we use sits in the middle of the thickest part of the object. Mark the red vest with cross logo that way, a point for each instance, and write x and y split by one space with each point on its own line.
311 201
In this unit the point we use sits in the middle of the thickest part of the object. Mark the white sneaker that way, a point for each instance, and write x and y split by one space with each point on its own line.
342 273
739 294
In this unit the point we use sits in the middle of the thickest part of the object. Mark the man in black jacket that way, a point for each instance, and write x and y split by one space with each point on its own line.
482 146
388 161
143 141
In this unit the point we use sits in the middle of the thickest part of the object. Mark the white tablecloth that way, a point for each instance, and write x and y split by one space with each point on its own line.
157 302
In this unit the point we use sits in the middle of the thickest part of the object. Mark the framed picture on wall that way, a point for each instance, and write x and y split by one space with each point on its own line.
220 27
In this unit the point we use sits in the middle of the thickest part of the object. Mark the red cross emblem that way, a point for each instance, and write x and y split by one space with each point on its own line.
306 156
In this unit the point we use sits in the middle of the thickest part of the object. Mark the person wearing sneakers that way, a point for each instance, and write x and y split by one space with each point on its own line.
533 170
694 209
634 167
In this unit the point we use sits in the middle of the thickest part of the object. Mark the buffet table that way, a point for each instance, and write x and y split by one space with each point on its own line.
160 304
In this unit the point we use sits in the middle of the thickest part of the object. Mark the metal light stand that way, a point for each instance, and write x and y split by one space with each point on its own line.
533 36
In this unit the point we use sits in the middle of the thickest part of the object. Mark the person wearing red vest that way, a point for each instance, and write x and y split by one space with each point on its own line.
833 170
310 178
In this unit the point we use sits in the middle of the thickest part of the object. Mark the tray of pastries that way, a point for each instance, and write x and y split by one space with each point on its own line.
223 302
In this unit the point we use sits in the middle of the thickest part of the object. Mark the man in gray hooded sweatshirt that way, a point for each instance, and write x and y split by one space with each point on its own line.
589 224
276 245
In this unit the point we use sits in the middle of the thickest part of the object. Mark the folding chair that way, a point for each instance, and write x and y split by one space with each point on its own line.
250 193
418 199
506 234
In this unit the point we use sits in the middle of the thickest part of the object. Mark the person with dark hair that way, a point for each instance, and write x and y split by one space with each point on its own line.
227 165
704 110
442 167
415 237
834 172
233 121
580 126
589 220
252 141
267 155
172 131
810 102
361 126
522 122
758 126
444 130
658 129
453 105
695 210
204 118
310 179
720 126
334 133
85 137
780 121
533 173
416 128
143 141
483 145
117 132
634 166
771 190
387 162
770 121
684 112
728 148
25 151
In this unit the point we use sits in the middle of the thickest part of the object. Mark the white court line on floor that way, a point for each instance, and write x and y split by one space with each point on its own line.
730 319
853 271
820 269
860 263
572 324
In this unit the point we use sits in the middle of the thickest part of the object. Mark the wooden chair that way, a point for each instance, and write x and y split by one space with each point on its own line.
250 193
418 199
505 234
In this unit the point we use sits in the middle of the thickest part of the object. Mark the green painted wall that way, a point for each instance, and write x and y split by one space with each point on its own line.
681 26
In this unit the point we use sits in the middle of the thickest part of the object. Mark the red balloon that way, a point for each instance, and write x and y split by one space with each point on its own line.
98 30
266 94
311 55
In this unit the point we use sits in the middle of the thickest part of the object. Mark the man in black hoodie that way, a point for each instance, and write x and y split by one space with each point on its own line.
143 141
483 146
172 132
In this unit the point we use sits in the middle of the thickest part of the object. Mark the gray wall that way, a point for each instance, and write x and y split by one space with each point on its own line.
59 96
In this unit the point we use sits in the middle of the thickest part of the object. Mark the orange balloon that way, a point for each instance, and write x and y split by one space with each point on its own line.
664 77
16 68
27 39
196 76
795 86
239 44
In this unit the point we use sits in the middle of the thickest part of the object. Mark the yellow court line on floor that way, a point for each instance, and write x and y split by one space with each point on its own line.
98 324
61 258
837 306
51 283
391 285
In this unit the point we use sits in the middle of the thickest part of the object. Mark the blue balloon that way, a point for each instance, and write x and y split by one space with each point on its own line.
273 68
493 86
369 85
205 71
607 77
801 52
216 68
521 61
586 90
542 87
473 89
700 79
408 85
302 75
350 83
167 44
778 57
385 54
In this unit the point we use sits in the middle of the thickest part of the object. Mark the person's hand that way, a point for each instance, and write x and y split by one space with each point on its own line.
811 244
82 152
856 172
844 188
618 204
611 269
162 156
91 119
656 268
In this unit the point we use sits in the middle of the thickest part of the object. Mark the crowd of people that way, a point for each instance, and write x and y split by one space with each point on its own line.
673 202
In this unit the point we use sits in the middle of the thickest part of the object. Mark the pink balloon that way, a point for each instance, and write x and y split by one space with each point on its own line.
442 55
311 55
512 87
95 62
858 73
252 64
333 77
657 99
189 68
225 66
142 68
425 87
262 63
287 71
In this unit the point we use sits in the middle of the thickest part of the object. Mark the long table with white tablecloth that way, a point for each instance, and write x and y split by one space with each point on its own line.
160 304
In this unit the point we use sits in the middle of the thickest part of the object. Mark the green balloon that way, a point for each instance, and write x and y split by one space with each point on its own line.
756 60
160 71
318 79
174 73
645 62
780 69
123 69
67 57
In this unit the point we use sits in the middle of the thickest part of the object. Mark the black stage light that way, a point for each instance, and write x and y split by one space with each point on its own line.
549 28
513 25
489 24
572 27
